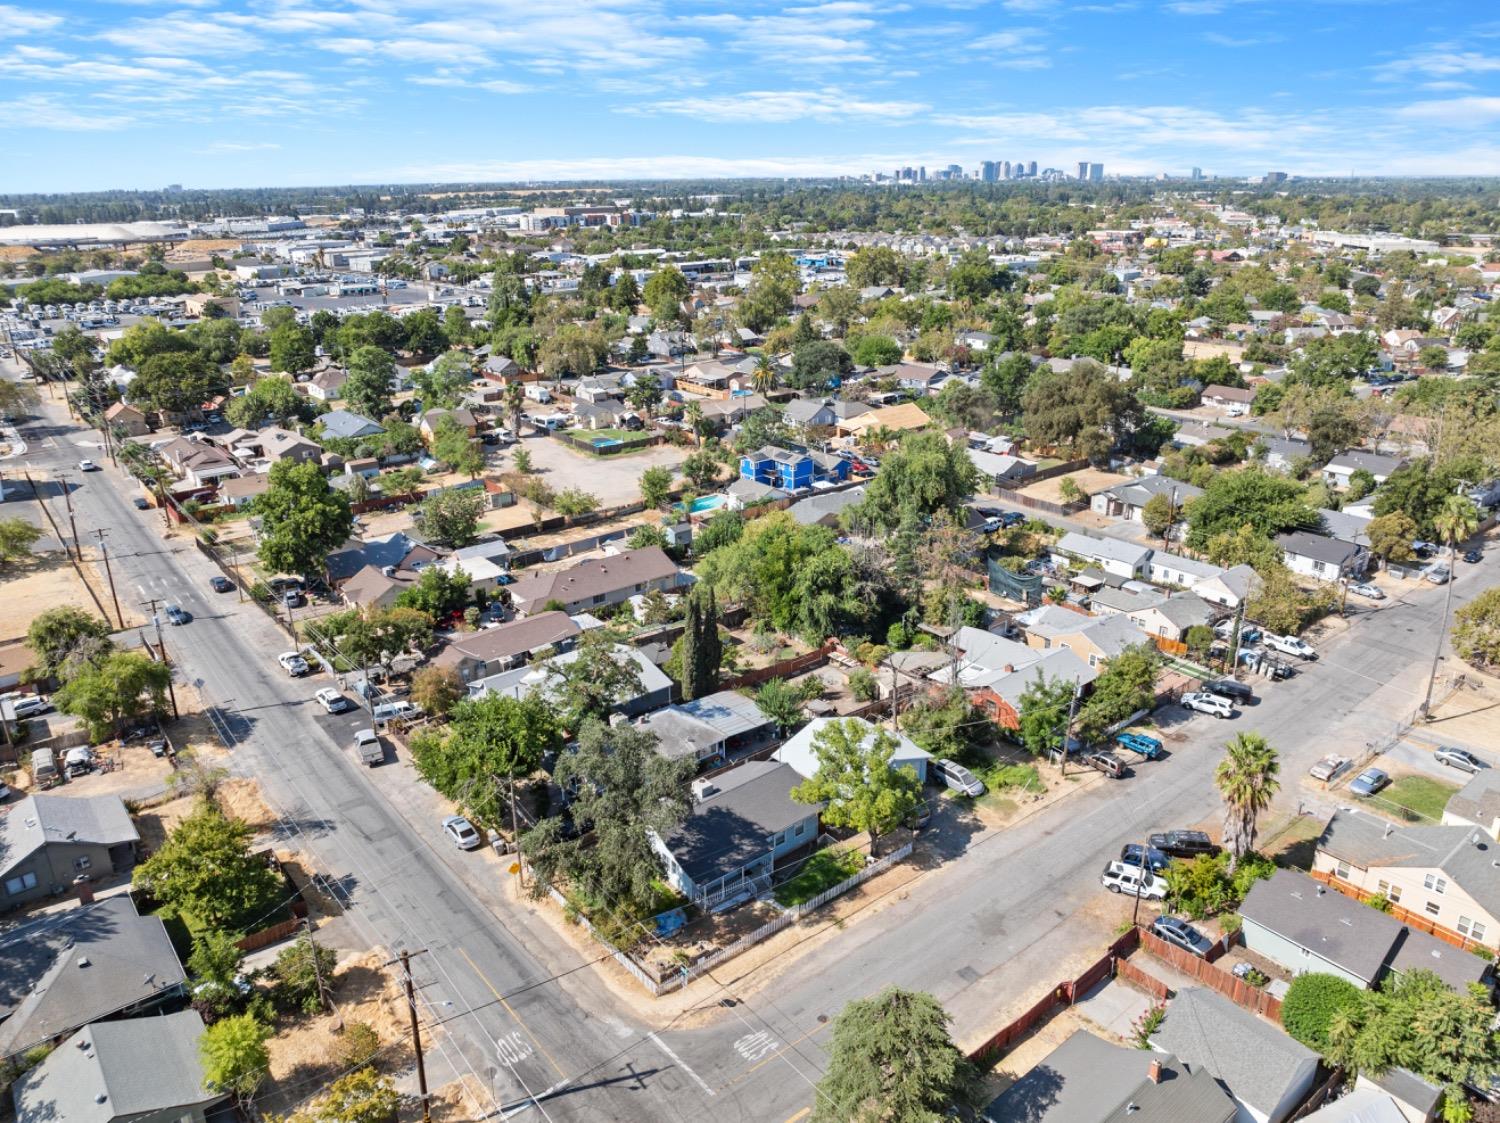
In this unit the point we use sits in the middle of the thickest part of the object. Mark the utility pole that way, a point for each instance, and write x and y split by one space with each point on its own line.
1135 911
109 573
312 947
161 647
1068 729
416 1035
62 480
515 826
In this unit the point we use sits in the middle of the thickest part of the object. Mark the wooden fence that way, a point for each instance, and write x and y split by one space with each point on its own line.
1044 474
1032 503
1405 916
1065 993
793 666
1142 980
1236 990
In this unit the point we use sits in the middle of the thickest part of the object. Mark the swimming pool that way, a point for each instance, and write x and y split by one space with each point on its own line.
705 503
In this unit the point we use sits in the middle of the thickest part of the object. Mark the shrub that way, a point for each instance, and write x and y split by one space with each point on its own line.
1148 1023
297 973
357 1045
862 685
1311 1003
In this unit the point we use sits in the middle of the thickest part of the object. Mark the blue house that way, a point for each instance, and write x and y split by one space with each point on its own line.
790 470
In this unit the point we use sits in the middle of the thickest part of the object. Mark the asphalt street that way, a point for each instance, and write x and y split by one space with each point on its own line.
988 920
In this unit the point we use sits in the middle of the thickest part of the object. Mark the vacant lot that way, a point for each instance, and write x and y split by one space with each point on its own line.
614 479
1089 480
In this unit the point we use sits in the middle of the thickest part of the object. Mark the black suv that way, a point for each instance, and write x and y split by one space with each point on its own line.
1156 861
1228 688
1183 844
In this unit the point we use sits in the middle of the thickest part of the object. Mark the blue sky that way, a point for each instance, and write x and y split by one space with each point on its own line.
131 93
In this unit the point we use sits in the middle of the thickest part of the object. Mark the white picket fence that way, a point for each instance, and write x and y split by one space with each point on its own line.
788 917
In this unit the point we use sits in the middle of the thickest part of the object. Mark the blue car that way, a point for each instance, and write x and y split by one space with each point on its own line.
1139 743
1368 782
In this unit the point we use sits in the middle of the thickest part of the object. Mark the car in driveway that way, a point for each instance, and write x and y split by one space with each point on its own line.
1183 844
1249 633
293 663
1200 701
29 705
1229 688
1154 860
957 778
332 701
1438 573
176 615
461 833
1120 878
1455 757
1140 744
1366 590
1473 556
221 584
87 466
1370 781
1327 768
293 598
1290 645
1179 932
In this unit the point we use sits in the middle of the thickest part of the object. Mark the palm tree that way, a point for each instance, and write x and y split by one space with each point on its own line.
693 415
763 380
515 397
1246 779
1457 519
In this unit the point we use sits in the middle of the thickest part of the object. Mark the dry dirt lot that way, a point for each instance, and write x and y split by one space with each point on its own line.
1208 349
49 581
1089 480
614 479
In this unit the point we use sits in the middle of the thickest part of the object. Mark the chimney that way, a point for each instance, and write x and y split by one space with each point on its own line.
1009 669
1153 1072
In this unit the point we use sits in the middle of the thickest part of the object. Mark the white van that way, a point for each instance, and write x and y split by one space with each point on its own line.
1120 878
394 711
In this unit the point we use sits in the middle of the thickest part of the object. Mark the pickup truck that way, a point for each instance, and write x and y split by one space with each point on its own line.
368 748
1140 744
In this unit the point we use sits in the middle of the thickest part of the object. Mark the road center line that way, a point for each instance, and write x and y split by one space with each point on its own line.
511 1011
680 1063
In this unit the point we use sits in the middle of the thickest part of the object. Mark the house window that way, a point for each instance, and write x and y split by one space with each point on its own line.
1342 870
1093 660
1468 927
801 829
20 884
1391 893
779 839
1432 908
82 862
599 599
1435 883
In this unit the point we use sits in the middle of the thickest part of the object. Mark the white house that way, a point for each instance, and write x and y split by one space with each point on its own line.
799 752
1336 472
1123 559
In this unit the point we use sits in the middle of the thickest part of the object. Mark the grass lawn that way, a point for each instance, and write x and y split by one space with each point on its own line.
824 870
1423 796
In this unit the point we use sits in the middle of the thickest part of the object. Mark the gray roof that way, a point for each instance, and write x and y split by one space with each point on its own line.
1478 801
1339 929
1140 491
747 490
1308 545
1288 448
817 507
1112 549
728 711
347 423
119 1070
1089 1080
1256 1060
595 577
1373 462
31 823
354 555
1407 1087
515 637
1362 840
1363 1105
681 735
1345 527
46 988
733 827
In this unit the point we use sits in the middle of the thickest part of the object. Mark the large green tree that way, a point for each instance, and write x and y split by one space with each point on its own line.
17 537
441 384
234 1055
702 650
1085 409
1264 501
292 349
303 519
367 390
451 517
1043 715
1126 686
855 781
1476 630
207 874
67 638
665 291
924 474
267 400
596 680
488 738
892 1060
175 381
107 693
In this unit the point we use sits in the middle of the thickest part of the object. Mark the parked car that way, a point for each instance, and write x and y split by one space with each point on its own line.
1461 759
87 466
398 710
221 584
140 503
368 749
176 615
1011 518
1183 844
1120 878
30 705
78 761
1154 860
1473 557
293 598
332 701
460 831
1107 762
1327 768
1249 633
1229 688
1140 744
1438 573
957 778
1368 591
1424 549
1202 702
1183 934
1370 781
1290 645
293 663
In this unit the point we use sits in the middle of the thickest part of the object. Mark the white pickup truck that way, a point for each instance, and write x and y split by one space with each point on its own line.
1290 645
368 748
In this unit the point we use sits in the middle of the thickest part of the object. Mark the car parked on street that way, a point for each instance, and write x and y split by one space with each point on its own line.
1155 860
176 615
1366 590
1120 878
1140 744
1229 688
1179 932
1290 645
140 503
87 466
1473 557
1107 762
332 701
1438 573
1327 768
221 584
1200 701
293 663
1461 759
1183 844
957 778
1370 781
461 833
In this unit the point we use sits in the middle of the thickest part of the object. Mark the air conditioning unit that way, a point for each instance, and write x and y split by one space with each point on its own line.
703 789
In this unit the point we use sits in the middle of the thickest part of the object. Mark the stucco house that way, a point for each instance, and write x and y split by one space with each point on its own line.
48 840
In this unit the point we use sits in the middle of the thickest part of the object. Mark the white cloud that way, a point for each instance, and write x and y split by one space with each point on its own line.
1458 112
15 22
1222 40
780 106
38 111
186 32
1438 62
492 85
1019 48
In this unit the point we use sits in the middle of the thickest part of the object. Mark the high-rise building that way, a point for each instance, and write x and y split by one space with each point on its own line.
989 171
1096 173
922 173
1031 168
1083 169
1275 177
1005 169
1197 174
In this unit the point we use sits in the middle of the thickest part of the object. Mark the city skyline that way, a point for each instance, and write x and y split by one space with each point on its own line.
222 92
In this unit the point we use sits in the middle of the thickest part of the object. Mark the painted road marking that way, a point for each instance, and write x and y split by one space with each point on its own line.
680 1063
803 1114
754 1046
511 1011
513 1048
